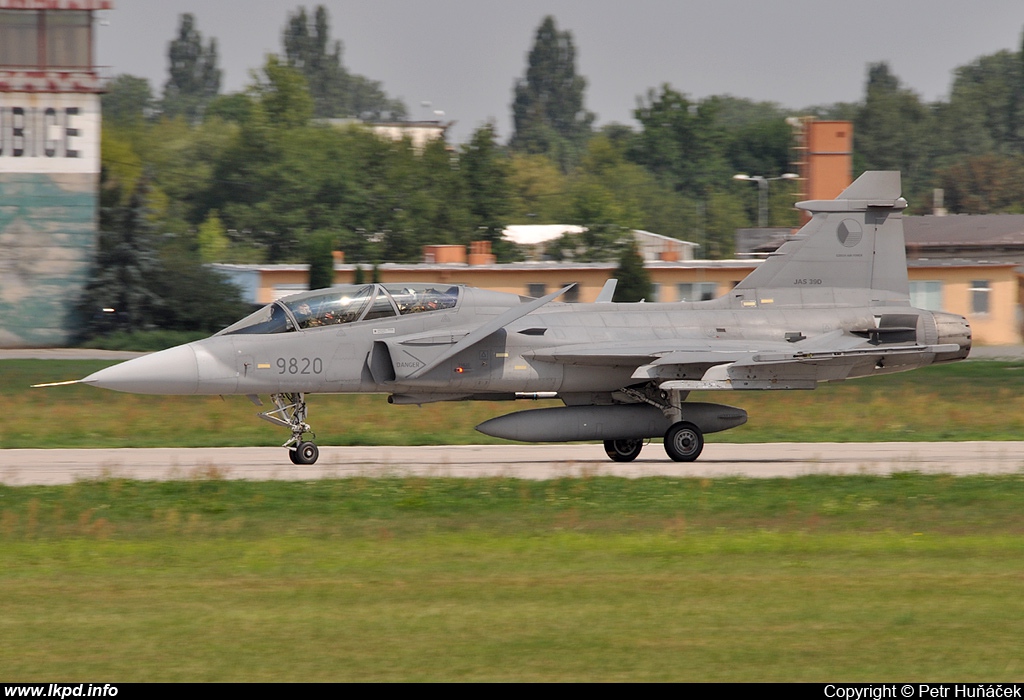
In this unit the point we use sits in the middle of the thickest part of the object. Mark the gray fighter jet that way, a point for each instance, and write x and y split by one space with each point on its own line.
831 304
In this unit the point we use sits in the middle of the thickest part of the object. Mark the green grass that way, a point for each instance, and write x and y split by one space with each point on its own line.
808 579
963 401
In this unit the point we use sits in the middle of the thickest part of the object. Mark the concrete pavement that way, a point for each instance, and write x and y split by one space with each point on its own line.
770 460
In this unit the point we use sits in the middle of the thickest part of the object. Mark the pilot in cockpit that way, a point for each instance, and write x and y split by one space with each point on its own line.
305 316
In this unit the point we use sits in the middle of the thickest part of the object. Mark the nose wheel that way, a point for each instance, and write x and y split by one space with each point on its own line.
291 413
304 453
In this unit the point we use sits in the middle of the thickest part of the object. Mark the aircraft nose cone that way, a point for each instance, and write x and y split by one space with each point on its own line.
173 371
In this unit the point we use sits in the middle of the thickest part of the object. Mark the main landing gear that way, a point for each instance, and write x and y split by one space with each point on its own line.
684 441
623 450
291 413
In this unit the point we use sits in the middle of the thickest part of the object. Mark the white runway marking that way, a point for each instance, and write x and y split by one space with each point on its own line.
768 460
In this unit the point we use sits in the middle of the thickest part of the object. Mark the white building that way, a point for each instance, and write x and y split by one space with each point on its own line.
652 246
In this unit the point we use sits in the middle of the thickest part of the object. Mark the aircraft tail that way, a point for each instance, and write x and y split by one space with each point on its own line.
854 241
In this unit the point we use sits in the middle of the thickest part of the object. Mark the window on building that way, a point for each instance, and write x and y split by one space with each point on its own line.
67 39
537 289
45 39
926 294
696 291
980 290
573 295
19 40
655 292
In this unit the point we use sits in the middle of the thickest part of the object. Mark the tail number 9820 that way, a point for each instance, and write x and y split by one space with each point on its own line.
300 365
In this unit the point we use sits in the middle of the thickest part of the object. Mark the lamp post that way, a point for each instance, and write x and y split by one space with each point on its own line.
762 188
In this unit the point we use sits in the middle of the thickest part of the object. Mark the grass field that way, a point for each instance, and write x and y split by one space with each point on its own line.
964 401
810 579
908 577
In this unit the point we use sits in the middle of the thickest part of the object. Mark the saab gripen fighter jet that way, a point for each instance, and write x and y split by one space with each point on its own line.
831 304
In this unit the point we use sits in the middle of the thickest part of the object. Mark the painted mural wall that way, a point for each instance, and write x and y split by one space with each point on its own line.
49 174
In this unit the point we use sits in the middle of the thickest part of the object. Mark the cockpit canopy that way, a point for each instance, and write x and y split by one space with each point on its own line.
346 304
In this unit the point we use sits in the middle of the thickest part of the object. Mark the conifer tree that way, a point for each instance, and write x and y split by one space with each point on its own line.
634 280
119 296
336 93
320 256
548 109
194 76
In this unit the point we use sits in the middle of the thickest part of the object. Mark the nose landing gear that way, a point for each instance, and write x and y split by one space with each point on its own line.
291 413
304 453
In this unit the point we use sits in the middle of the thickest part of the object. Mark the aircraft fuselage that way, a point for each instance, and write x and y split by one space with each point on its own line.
378 355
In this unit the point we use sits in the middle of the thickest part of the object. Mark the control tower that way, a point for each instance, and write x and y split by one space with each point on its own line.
49 165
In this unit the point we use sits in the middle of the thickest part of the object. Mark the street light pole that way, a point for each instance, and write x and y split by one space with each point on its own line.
762 192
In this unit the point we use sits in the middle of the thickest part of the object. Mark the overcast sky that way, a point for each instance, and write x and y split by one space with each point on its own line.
464 56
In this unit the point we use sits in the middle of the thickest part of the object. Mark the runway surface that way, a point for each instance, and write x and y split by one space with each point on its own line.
43 467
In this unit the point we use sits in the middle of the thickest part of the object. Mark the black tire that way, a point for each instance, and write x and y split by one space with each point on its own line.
684 442
623 450
305 453
293 455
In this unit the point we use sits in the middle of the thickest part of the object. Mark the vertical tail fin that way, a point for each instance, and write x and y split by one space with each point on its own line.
854 241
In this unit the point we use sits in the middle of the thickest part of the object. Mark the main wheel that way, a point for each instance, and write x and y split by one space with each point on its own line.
623 450
684 442
305 453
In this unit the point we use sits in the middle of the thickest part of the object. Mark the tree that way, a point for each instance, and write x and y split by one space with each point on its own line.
760 148
596 243
148 286
892 129
487 190
320 256
336 92
182 160
634 280
195 298
738 112
194 76
1017 102
634 197
984 113
233 107
548 108
368 101
121 167
440 204
723 215
681 142
127 262
128 101
536 190
283 94
211 239
985 184
309 50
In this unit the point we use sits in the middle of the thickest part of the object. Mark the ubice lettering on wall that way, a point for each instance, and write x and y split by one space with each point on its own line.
49 133
29 132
